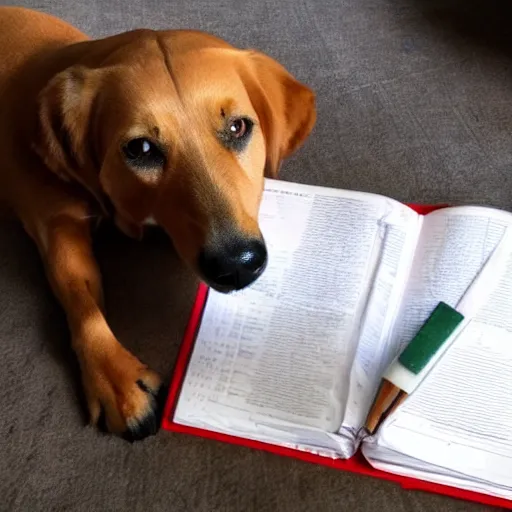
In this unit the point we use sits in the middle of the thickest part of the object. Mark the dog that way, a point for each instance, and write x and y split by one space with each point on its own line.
176 128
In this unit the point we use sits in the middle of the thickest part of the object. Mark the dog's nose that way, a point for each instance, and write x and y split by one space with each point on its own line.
235 265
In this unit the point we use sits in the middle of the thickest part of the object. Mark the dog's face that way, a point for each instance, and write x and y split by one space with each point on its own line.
181 128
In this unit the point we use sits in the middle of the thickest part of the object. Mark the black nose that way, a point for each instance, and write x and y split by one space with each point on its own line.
233 266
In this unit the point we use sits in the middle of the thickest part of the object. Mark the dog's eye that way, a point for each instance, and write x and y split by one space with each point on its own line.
238 128
143 153
237 133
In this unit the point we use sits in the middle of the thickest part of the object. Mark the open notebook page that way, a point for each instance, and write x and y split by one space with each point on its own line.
278 354
454 244
384 299
459 420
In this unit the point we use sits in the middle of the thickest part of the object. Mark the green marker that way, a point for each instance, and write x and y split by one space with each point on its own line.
425 348
408 370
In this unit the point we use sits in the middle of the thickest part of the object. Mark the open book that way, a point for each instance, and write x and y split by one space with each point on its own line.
296 359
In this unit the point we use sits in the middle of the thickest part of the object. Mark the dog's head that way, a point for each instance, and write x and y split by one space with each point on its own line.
181 128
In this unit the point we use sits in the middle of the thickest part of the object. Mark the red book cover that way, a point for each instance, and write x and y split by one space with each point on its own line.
356 464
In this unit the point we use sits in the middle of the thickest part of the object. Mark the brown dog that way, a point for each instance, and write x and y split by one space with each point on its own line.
176 127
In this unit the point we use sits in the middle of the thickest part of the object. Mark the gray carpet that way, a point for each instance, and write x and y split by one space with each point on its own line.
415 101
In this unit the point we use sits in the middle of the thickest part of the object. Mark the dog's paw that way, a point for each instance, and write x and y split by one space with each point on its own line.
124 393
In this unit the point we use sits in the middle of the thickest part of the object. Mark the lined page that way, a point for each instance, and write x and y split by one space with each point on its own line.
453 247
460 418
282 349
384 300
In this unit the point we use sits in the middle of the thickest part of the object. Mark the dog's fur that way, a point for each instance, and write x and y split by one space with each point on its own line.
68 107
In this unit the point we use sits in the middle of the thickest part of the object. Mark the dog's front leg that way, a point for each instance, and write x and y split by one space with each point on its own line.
114 380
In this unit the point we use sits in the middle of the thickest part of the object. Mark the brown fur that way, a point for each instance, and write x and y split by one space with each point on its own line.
69 103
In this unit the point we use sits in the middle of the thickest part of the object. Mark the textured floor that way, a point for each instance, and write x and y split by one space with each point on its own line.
415 101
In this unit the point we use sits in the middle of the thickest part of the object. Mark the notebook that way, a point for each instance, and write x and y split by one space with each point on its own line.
292 363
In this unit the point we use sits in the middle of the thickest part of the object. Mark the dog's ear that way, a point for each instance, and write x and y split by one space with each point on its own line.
66 115
285 107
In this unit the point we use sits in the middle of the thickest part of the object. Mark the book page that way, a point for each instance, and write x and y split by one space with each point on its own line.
460 417
390 461
280 352
453 247
384 300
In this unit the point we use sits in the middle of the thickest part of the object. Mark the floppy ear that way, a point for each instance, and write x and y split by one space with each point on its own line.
66 114
286 108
